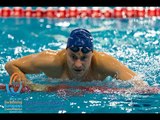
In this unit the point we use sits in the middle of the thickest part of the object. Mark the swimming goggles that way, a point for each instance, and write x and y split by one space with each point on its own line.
84 50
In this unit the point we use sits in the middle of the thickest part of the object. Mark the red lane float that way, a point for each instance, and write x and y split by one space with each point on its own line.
129 12
151 12
61 13
28 12
89 89
39 12
96 12
81 12
21 88
107 12
72 12
118 12
6 12
140 12
158 12
84 12
50 12
18 12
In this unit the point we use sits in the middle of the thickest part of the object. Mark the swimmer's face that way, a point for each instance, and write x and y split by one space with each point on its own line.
78 62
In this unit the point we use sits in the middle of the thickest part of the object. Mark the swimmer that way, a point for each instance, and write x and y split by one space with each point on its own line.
79 61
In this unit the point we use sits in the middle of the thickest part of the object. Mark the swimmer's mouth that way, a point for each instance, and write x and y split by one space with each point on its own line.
77 70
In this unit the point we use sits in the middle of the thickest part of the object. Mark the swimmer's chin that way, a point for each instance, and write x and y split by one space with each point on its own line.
78 76
78 72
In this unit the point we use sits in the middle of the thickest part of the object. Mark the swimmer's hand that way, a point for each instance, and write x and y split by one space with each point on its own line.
18 77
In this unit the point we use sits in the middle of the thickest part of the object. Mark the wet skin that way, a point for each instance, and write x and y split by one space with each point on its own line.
68 65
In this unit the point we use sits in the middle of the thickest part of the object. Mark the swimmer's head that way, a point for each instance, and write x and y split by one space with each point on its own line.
80 39
79 52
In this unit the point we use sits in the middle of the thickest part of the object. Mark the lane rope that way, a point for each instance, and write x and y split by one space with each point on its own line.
80 12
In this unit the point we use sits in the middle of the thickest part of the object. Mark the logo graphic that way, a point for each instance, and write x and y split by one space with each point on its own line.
10 90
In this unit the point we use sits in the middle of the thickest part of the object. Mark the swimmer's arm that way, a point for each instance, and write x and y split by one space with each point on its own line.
28 64
122 72
22 65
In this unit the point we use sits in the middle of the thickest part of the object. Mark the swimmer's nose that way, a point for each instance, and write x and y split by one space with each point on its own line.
78 64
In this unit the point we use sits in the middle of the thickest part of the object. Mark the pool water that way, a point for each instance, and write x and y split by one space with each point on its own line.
135 42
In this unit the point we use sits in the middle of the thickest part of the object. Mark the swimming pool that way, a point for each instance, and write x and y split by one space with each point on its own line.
135 42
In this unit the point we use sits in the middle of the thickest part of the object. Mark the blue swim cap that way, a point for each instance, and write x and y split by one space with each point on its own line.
80 38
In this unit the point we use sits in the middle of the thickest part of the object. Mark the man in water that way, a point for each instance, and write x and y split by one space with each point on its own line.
79 61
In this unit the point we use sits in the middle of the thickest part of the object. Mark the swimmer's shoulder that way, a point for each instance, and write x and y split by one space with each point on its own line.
57 56
103 60
52 53
101 55
99 58
48 57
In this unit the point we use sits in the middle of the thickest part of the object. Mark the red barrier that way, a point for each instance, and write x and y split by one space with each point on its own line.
72 12
28 12
151 12
107 12
6 12
40 12
18 12
118 12
96 13
50 12
130 12
140 12
61 13
80 12
84 12
158 12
